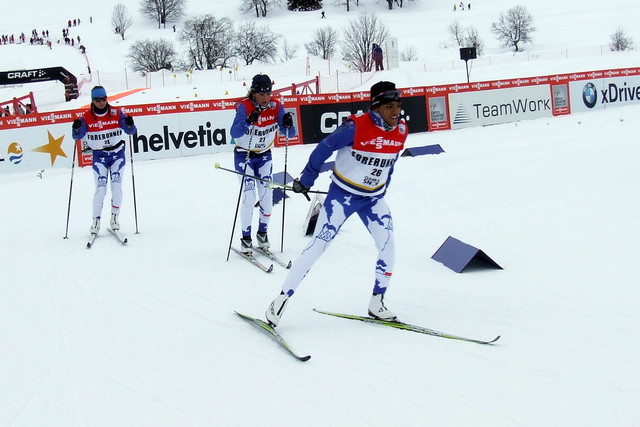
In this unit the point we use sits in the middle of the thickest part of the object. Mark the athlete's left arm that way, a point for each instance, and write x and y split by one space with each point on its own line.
289 132
130 130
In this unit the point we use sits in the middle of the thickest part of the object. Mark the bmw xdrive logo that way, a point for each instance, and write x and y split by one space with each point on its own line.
589 95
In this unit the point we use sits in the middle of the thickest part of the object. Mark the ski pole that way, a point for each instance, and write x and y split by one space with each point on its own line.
244 176
73 162
133 183
284 189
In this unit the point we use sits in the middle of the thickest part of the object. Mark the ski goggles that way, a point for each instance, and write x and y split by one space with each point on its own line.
385 97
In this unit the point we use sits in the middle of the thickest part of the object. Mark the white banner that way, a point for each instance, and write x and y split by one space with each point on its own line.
595 94
490 107
185 134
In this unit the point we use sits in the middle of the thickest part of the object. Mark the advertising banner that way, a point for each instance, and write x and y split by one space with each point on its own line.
560 99
30 148
604 92
322 115
490 107
166 130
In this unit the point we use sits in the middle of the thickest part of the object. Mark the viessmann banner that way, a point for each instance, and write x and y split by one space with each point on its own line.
168 130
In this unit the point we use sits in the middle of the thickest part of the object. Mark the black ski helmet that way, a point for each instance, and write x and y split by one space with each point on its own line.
261 83
384 92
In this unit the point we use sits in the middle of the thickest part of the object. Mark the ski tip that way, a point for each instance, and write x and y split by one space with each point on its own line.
494 340
304 358
288 265
270 269
89 245
216 165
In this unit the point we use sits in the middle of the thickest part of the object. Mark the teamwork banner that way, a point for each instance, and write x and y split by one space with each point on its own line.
490 107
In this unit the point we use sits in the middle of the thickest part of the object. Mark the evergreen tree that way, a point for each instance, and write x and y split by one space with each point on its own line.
304 5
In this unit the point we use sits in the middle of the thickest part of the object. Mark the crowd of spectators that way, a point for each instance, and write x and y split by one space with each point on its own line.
42 37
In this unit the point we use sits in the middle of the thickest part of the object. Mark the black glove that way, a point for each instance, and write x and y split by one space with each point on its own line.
253 117
128 120
287 120
77 124
299 187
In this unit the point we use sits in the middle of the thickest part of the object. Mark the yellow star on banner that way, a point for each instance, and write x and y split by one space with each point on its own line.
53 147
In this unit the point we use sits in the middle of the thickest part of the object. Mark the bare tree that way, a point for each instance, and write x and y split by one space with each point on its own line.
261 7
209 41
472 39
152 55
346 3
409 54
288 50
456 32
256 43
120 19
620 40
514 27
397 2
163 10
359 37
324 42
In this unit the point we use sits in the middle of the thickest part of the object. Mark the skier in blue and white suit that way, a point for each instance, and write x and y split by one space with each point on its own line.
255 127
366 147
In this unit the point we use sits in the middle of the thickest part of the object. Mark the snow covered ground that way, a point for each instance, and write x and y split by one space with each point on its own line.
145 334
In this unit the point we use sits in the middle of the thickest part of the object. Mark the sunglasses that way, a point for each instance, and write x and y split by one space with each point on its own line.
102 99
388 96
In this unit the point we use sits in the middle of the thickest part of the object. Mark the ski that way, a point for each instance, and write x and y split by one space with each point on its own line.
91 240
267 253
268 329
118 236
407 327
254 261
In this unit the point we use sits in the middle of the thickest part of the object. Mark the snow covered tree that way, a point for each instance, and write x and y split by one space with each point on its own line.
261 7
514 27
359 37
256 43
209 41
620 40
472 39
409 54
324 42
151 55
120 19
456 32
288 50
163 10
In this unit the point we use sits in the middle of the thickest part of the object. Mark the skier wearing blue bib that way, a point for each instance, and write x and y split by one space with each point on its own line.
366 147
